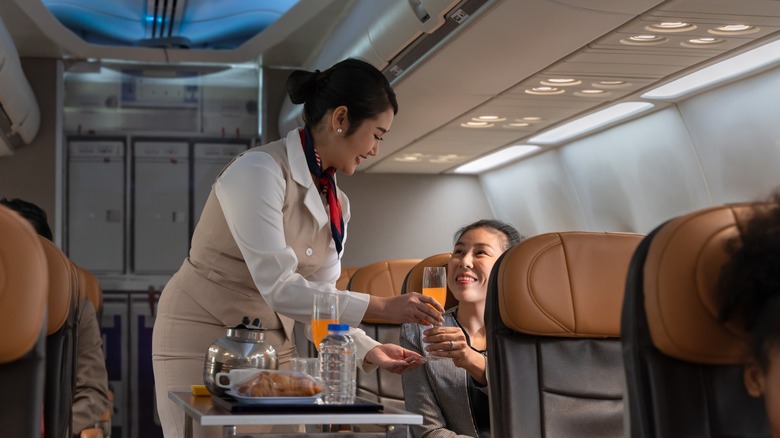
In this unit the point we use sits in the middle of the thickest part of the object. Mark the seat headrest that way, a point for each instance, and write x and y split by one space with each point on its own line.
89 287
681 272
23 286
61 285
382 279
413 281
567 284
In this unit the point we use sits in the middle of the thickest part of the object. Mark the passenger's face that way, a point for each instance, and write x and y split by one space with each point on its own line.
364 142
468 270
766 383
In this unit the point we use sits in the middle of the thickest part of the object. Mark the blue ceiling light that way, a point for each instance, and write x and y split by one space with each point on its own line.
201 24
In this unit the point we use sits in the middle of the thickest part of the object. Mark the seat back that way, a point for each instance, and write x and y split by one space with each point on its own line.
382 279
89 289
413 280
23 295
60 341
553 325
346 274
683 366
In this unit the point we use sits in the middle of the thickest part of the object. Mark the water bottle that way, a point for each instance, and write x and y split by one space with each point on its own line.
337 365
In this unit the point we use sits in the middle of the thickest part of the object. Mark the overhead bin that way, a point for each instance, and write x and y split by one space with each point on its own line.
20 116
375 32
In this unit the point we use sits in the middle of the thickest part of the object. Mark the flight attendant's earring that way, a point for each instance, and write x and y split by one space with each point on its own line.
339 130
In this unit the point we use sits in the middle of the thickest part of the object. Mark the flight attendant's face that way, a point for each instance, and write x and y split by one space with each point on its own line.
473 256
363 142
766 384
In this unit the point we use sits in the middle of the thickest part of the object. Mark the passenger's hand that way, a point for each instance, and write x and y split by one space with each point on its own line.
394 358
450 342
411 307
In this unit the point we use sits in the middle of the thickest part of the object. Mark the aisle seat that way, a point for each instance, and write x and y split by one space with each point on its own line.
24 289
683 365
552 316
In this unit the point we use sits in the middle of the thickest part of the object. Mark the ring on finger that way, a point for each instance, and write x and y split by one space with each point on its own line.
452 345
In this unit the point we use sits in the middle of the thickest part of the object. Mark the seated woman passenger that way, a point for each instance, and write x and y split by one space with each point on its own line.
451 393
750 290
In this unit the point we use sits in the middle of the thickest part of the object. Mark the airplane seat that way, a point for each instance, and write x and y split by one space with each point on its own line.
346 274
384 279
24 288
61 341
683 366
413 280
552 317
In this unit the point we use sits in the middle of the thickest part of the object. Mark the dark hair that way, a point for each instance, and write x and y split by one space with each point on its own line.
356 84
34 214
510 236
749 282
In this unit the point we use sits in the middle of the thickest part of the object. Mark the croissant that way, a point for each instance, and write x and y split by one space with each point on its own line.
280 384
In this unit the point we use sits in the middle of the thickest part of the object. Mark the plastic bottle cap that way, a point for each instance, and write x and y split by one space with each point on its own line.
338 327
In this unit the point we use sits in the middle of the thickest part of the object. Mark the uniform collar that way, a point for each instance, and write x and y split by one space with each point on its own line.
299 171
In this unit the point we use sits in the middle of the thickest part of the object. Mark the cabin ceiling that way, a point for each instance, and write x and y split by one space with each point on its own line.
484 68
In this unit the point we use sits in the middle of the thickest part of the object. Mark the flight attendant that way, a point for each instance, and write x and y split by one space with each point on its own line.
272 234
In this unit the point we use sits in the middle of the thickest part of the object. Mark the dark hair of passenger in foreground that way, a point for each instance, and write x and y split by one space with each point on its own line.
749 283
353 83
34 214
511 236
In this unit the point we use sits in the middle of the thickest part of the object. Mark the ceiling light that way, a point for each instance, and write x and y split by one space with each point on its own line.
702 42
734 29
592 93
728 69
529 119
516 125
561 82
488 119
644 40
670 27
497 158
611 85
445 158
411 158
591 122
476 125
545 91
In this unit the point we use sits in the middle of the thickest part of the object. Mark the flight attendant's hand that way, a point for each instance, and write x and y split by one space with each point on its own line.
394 358
411 307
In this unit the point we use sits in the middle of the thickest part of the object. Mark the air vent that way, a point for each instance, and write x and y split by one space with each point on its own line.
163 24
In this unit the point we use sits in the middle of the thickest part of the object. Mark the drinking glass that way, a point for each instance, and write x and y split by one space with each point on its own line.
325 311
307 365
434 285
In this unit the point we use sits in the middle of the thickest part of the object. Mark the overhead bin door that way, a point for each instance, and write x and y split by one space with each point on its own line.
160 206
96 205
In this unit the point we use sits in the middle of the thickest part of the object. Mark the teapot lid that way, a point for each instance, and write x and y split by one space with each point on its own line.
249 331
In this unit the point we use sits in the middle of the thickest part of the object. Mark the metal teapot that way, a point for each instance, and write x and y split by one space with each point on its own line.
243 346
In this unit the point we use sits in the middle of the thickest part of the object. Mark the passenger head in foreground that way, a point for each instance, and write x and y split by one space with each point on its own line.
450 391
750 291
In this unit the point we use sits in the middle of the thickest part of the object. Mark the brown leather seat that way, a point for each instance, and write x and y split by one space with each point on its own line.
346 274
23 299
555 367
413 280
60 341
383 279
683 366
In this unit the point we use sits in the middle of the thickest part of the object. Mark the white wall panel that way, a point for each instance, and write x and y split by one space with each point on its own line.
736 132
408 216
637 175
535 195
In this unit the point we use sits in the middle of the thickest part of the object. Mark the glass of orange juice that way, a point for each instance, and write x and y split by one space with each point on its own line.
434 285
325 311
